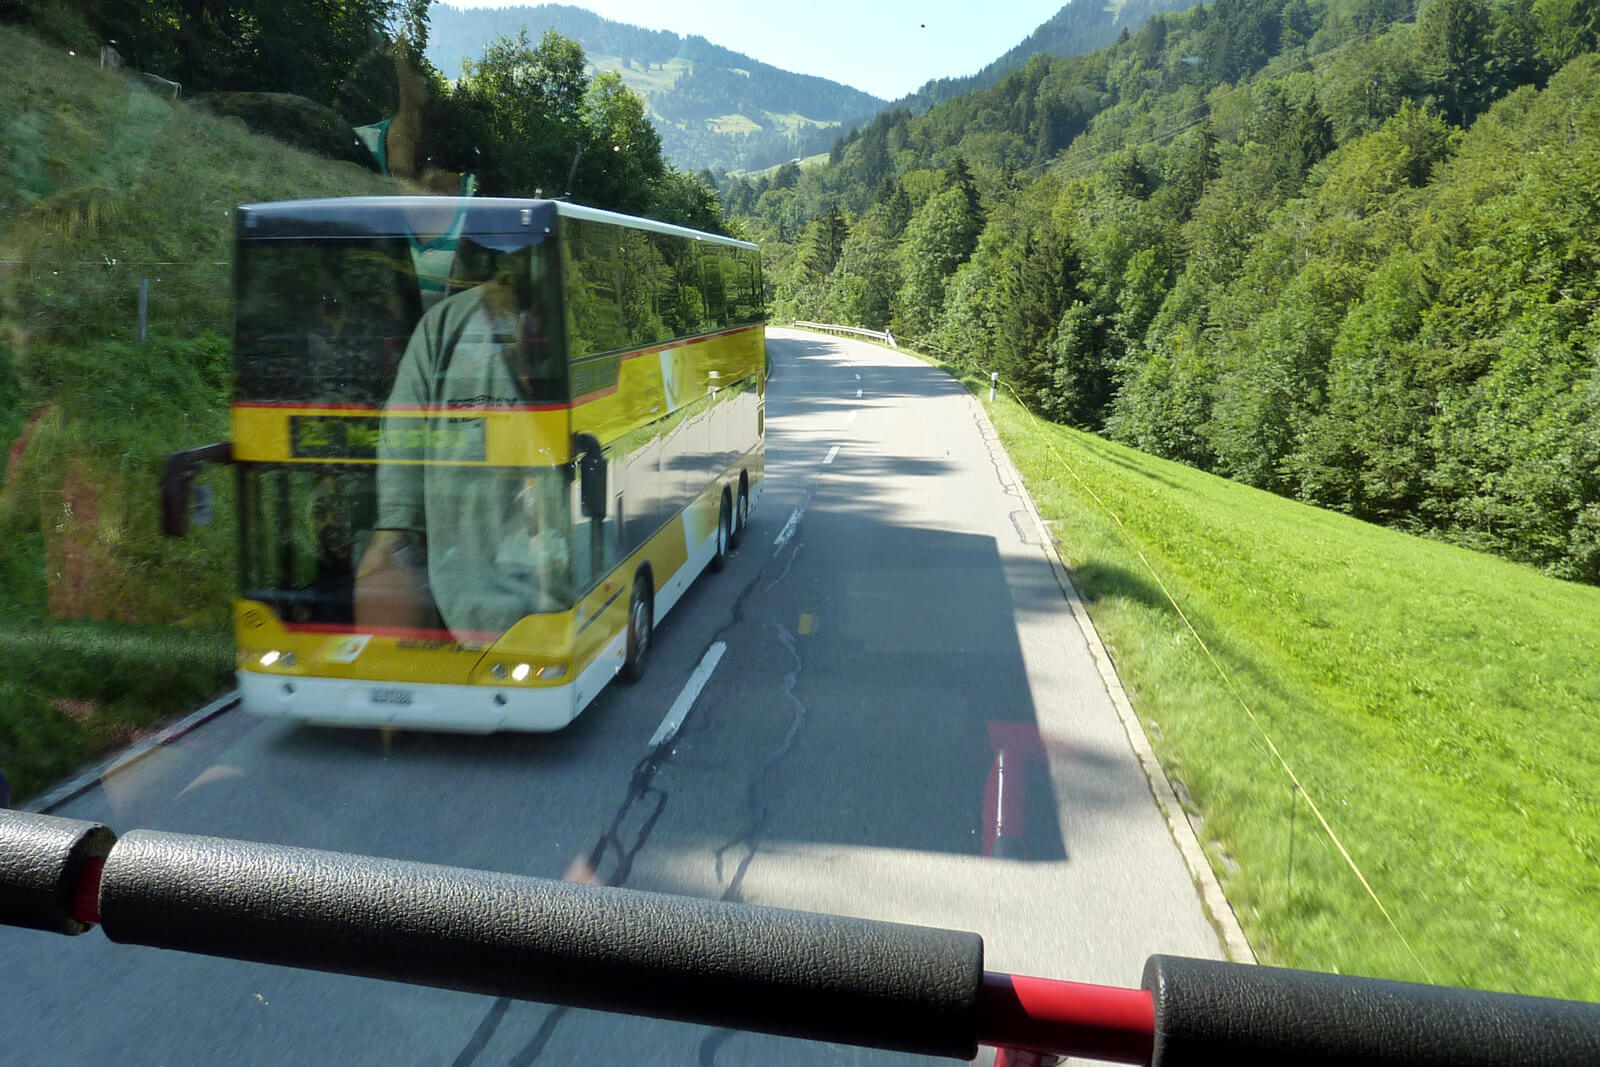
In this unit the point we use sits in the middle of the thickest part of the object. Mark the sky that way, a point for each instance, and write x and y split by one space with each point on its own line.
886 47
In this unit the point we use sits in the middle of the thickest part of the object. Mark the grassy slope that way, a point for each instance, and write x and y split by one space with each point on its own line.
1437 704
665 78
660 79
732 124
809 161
108 184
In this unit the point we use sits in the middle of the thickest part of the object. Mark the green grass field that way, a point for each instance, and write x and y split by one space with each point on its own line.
71 690
1438 705
106 627
806 162
735 124
659 79
793 121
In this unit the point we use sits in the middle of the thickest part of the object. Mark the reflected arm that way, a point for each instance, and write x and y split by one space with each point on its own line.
391 586
392 582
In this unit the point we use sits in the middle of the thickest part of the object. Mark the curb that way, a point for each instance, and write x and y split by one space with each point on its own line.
1216 904
86 781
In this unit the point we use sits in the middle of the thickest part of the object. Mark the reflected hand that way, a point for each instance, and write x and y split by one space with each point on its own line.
392 582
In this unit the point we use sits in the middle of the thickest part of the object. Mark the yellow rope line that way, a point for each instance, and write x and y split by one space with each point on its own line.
1228 681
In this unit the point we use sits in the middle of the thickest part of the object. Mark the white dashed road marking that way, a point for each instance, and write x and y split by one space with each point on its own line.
691 689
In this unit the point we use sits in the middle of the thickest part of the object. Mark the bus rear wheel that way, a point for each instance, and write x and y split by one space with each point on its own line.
724 533
741 514
641 630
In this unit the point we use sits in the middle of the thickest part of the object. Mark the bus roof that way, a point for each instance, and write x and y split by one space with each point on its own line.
594 214
351 216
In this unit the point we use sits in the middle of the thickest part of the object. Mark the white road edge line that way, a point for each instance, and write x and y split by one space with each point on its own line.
1230 934
788 530
691 690
834 451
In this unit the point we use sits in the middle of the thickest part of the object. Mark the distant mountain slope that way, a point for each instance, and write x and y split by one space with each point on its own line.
1081 27
713 107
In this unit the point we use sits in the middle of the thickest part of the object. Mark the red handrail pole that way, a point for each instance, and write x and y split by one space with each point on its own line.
1066 1018
86 901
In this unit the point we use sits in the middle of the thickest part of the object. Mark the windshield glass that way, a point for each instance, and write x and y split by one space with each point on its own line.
1140 497
325 322
380 391
305 528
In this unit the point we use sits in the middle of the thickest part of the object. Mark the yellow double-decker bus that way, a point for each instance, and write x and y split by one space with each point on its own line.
482 446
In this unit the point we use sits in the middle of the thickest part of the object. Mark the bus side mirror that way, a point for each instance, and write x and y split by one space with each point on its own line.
177 486
591 475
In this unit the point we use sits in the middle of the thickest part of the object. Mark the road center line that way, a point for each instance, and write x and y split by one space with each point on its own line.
691 689
834 451
788 530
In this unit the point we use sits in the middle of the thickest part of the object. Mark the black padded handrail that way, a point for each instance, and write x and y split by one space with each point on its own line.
820 977
42 862
1213 1012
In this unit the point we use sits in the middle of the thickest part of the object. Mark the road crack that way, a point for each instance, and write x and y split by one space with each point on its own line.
650 800
756 804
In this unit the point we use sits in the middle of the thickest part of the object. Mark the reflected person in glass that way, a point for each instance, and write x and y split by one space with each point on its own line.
458 543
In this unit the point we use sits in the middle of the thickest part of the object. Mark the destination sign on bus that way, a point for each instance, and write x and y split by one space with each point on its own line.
405 439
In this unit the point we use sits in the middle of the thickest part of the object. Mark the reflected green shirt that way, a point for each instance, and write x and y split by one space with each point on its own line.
486 548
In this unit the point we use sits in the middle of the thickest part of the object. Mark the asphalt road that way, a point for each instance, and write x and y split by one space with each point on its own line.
888 606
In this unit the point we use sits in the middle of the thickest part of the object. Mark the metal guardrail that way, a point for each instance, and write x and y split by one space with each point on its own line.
826 327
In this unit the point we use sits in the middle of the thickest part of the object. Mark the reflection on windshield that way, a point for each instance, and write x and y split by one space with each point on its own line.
314 550
392 512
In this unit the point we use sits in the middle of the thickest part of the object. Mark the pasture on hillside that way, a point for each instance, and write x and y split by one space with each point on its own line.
1437 705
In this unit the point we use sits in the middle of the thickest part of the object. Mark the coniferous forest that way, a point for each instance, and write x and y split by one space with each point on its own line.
1343 251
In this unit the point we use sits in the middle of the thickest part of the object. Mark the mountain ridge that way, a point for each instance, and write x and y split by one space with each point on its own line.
714 107
1078 28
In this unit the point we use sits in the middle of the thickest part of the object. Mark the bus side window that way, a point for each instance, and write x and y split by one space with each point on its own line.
714 260
595 313
643 281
